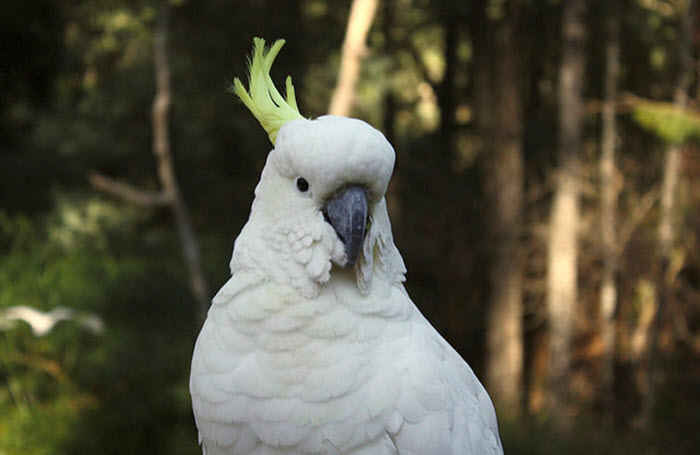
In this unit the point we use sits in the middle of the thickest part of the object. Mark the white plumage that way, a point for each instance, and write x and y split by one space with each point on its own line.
42 323
302 355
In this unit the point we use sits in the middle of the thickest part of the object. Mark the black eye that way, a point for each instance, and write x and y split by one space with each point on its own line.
302 185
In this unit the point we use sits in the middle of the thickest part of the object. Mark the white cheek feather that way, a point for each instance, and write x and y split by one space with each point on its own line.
379 255
297 250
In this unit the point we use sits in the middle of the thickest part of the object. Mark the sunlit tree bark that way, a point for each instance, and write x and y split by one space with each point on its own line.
564 222
361 16
608 209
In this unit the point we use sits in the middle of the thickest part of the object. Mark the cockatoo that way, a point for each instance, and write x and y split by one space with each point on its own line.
313 346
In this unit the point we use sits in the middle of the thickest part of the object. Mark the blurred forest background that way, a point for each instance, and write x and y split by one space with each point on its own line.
546 202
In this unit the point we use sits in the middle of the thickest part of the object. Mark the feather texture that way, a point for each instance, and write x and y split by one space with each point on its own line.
300 355
335 380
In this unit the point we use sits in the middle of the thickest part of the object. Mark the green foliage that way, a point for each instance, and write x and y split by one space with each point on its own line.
667 121
71 389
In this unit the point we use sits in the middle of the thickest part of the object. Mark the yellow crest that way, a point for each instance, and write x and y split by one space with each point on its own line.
262 98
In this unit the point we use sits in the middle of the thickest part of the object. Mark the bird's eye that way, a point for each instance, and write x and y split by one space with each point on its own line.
302 185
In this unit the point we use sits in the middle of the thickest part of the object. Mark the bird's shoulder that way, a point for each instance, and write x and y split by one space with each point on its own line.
445 408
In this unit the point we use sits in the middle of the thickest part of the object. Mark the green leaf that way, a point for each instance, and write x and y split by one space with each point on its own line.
669 122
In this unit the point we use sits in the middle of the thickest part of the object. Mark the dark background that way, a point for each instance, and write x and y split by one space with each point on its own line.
76 87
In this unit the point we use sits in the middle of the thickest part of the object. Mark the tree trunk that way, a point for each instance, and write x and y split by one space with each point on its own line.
393 195
169 194
361 16
389 113
667 219
484 90
504 189
608 212
166 171
564 222
446 89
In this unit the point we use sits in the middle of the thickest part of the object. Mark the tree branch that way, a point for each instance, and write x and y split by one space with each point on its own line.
640 211
422 67
127 192
170 194
166 170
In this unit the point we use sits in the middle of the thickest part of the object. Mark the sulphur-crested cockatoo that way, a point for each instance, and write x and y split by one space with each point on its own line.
313 345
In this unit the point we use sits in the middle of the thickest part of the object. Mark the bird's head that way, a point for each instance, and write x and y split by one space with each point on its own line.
321 196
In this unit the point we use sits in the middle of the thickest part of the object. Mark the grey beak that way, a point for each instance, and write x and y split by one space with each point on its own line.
346 211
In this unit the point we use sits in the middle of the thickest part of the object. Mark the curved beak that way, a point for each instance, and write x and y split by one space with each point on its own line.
346 211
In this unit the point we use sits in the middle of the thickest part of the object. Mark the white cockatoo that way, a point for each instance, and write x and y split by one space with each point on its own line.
313 345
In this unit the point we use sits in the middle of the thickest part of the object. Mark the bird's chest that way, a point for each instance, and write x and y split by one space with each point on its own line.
298 373
329 356
310 353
